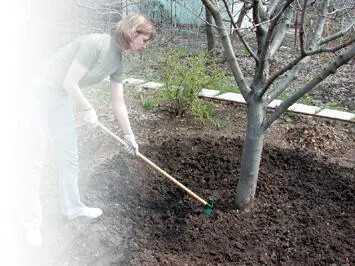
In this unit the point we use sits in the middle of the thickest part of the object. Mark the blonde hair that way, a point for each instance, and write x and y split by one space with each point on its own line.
132 25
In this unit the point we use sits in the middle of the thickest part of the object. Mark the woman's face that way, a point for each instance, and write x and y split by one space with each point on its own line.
138 43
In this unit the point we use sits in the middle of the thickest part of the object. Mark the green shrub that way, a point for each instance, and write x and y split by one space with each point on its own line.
184 75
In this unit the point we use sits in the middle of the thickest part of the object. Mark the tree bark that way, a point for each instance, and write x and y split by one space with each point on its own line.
211 43
251 157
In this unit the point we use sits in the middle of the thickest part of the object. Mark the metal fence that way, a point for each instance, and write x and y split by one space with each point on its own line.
178 23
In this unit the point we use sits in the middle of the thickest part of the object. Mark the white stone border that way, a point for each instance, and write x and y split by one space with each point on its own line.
238 98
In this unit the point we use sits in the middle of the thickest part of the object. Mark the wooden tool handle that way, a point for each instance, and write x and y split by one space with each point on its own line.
156 167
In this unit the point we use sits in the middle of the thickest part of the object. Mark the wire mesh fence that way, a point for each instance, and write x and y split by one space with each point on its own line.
178 23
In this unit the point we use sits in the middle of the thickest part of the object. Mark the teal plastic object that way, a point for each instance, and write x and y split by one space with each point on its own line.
209 207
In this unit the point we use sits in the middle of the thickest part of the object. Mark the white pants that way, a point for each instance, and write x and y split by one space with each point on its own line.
49 110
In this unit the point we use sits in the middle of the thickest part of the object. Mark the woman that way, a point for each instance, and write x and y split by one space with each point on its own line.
84 62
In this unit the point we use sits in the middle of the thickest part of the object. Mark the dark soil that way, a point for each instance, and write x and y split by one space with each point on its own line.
303 213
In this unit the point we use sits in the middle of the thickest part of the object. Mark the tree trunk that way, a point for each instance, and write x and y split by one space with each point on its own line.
211 43
252 150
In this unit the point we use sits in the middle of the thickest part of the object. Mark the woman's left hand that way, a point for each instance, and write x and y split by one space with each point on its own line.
132 146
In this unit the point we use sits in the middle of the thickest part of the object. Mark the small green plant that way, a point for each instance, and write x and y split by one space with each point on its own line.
203 111
220 123
185 75
307 99
148 105
287 118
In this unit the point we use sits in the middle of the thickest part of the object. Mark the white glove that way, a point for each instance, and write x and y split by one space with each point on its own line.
90 117
132 146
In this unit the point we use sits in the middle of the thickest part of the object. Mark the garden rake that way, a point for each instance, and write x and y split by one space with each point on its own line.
207 206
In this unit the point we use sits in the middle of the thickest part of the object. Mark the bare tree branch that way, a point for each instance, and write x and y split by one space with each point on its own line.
243 12
319 26
238 32
350 17
266 21
314 46
275 21
282 7
264 44
279 89
228 48
337 35
340 60
258 22
262 11
333 50
301 35
280 32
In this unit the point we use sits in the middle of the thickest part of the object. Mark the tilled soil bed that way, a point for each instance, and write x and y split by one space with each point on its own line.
303 213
